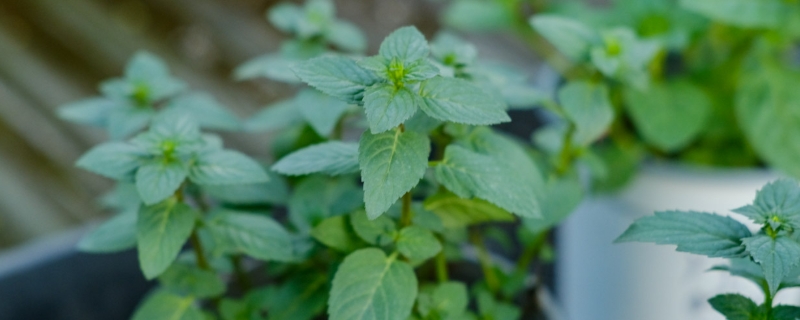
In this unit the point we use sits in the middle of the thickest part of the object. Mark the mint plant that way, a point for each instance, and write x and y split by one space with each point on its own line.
392 177
768 257
671 67
314 28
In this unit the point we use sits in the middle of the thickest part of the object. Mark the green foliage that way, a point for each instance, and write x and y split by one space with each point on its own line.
370 285
161 231
432 173
331 158
391 164
668 115
769 258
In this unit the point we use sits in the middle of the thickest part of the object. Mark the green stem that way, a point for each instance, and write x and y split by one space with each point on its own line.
406 216
199 252
492 282
531 252
565 156
767 300
441 267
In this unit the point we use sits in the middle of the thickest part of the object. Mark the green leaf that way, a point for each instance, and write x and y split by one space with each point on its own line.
347 36
127 120
379 231
387 106
161 232
371 286
224 167
625 57
766 105
163 305
470 174
492 309
336 232
189 280
742 13
204 109
776 203
337 76
254 235
478 15
668 115
275 191
560 198
272 66
777 257
783 312
276 116
587 105
457 100
320 110
302 297
734 306
392 163
116 234
317 198
406 44
116 160
331 158
417 243
458 212
285 16
694 232
447 300
449 49
92 111
571 37
159 180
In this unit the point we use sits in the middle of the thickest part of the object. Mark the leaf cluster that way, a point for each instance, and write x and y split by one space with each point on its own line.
768 257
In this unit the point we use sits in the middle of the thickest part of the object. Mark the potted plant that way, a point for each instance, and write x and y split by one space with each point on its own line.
768 258
392 176
695 84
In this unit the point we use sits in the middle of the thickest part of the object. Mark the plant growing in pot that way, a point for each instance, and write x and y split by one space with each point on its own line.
372 220
769 258
690 82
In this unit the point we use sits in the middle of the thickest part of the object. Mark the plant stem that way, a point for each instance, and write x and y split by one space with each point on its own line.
767 300
565 156
241 275
441 267
492 282
199 252
406 216
531 251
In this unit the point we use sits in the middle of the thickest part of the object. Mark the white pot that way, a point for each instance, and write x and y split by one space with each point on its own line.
599 280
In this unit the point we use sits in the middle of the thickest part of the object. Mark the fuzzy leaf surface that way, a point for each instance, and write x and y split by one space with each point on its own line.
777 257
161 232
225 167
457 100
254 235
417 243
337 76
694 232
392 163
470 174
331 158
371 286
387 106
